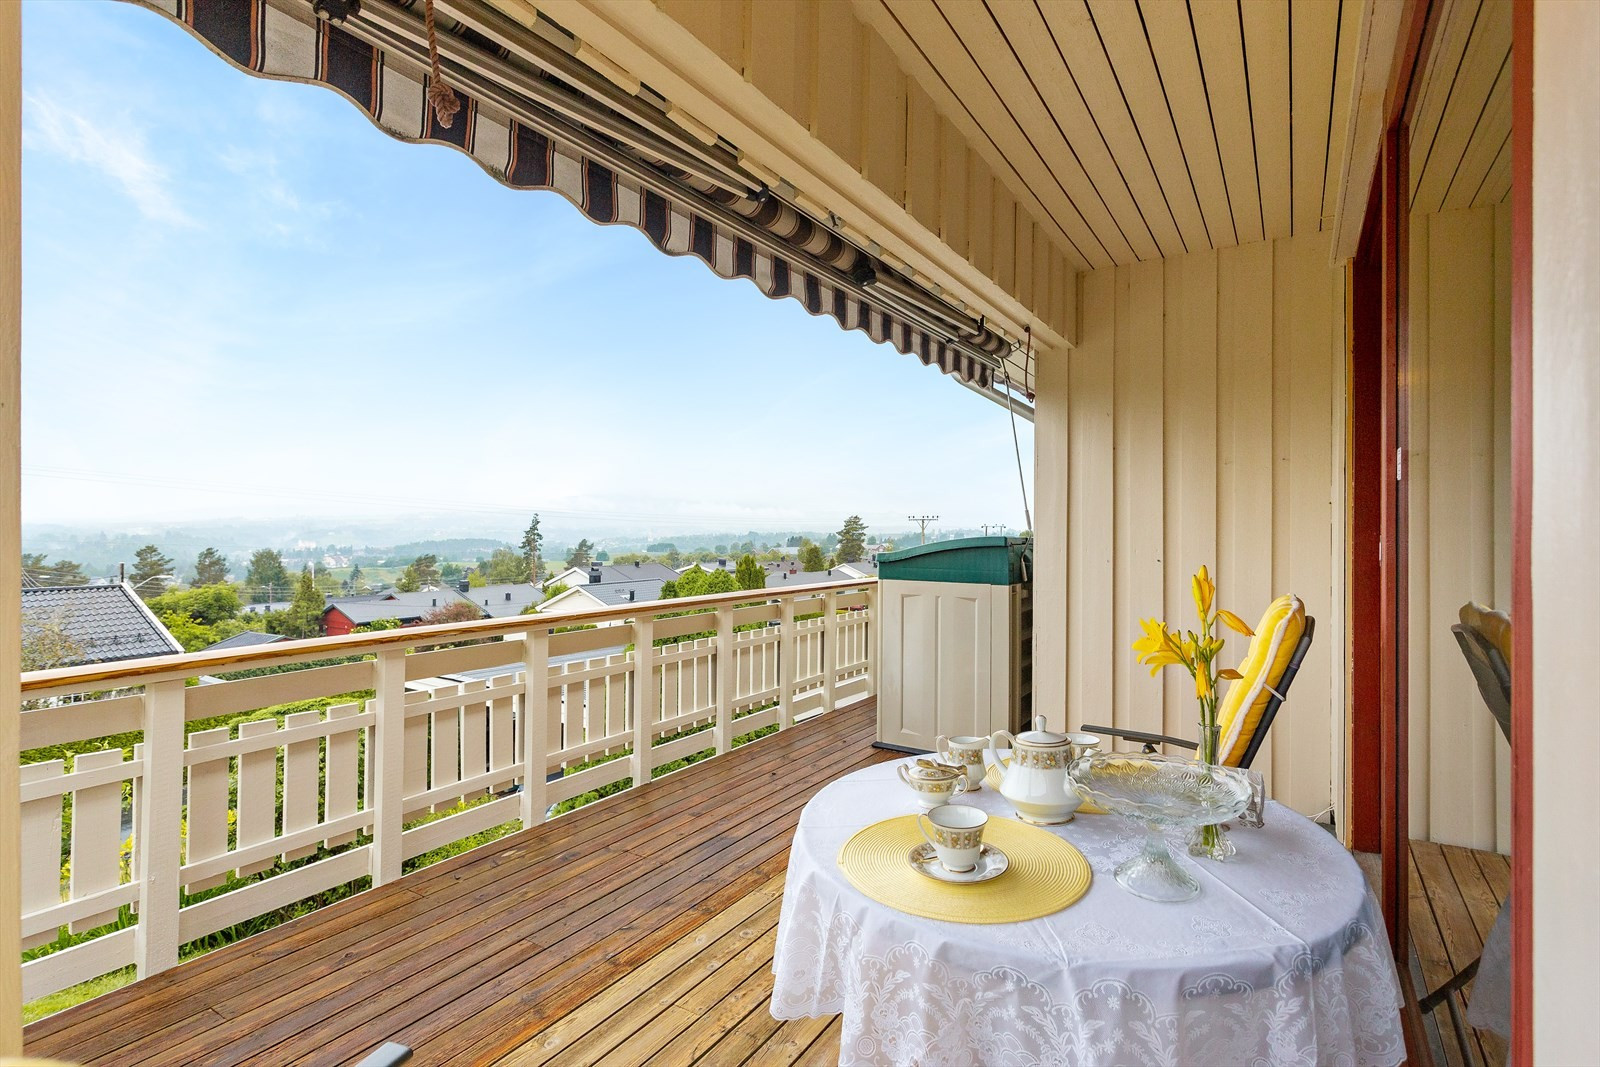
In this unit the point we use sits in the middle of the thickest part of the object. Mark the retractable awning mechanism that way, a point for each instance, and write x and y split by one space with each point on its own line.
534 115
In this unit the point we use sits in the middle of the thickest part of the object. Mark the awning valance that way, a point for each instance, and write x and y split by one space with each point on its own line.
522 125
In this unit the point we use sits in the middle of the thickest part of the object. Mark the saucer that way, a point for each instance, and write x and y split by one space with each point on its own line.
992 863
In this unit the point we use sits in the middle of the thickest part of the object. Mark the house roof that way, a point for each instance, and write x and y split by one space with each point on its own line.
406 607
780 578
628 572
245 639
615 594
104 622
503 599
272 605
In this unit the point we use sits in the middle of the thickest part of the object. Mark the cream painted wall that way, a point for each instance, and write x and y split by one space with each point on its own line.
1200 420
1459 478
1566 532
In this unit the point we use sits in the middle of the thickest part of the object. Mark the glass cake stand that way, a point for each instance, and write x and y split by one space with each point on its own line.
1163 793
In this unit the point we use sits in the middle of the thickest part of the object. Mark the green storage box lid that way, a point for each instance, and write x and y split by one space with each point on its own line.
971 560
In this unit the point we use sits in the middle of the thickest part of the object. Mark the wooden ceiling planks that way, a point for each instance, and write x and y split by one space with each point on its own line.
1219 41
1344 66
1181 80
1313 47
975 56
1128 62
1023 27
936 58
1463 116
1265 24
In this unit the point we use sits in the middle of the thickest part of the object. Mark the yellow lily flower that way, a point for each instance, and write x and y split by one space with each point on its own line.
1202 684
1204 590
1230 674
1234 623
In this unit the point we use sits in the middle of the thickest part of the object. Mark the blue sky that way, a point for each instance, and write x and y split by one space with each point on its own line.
241 299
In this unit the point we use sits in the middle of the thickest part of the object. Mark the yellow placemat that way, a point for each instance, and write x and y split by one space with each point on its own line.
992 776
1046 874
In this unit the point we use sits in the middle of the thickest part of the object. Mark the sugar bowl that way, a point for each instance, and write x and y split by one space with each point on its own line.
933 783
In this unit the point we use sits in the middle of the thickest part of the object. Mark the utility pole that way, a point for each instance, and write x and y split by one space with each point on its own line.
922 523
998 527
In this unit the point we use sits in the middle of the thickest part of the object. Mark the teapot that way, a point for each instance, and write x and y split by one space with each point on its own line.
1035 778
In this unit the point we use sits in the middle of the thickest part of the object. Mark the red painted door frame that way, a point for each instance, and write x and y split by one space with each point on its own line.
1522 207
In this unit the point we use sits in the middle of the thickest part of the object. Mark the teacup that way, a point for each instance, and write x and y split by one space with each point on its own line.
956 835
966 751
933 786
1083 745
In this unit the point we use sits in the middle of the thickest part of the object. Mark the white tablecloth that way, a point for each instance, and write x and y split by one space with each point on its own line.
1282 959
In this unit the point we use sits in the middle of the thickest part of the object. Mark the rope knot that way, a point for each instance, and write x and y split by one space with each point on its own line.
440 95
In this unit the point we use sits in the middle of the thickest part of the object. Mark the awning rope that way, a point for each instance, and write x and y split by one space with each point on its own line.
440 95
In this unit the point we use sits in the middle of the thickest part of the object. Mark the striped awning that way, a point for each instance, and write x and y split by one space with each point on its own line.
739 228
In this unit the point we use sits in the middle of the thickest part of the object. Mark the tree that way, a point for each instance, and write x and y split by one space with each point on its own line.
207 605
46 644
61 572
533 550
697 582
811 557
420 573
795 541
504 566
582 555
722 550
149 566
305 612
267 578
852 540
602 556
189 632
210 567
357 580
455 611
661 546
749 574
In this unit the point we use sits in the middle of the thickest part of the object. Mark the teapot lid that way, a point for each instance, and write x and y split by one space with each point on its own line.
1042 738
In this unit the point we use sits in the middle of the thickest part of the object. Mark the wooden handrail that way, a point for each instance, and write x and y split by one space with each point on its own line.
188 664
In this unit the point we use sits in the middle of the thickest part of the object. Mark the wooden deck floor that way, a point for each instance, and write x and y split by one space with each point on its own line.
640 928
1455 895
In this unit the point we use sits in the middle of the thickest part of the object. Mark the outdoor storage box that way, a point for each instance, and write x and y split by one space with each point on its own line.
955 637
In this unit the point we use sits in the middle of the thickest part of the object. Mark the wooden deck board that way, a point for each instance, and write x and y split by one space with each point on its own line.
642 922
1455 895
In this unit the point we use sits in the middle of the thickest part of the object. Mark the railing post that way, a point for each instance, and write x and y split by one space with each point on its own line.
386 766
160 834
531 731
873 633
646 697
726 679
830 648
788 654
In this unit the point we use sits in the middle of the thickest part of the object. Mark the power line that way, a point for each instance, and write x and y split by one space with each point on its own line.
922 523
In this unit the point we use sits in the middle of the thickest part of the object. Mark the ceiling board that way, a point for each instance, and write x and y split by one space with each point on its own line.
1221 47
1177 56
925 46
1026 35
1267 49
1463 115
1339 122
1314 30
1127 71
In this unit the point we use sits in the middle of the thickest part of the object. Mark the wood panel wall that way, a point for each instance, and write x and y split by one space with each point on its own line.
1460 485
1204 424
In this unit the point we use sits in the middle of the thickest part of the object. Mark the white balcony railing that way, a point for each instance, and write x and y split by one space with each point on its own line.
321 798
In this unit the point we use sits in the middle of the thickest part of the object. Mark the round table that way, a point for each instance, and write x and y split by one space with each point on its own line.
1281 959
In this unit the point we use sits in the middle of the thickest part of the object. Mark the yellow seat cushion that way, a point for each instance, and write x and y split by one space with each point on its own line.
1246 700
1494 625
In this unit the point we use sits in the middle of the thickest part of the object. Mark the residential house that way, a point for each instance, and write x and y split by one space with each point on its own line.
591 596
71 625
344 614
245 639
501 599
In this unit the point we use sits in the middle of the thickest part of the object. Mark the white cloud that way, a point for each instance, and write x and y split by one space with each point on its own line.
117 151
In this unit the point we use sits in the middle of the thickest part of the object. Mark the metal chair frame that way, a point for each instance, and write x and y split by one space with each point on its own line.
1279 694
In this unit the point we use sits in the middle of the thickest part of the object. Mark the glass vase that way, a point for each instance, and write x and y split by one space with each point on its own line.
1210 842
